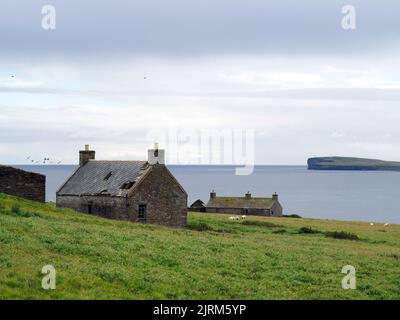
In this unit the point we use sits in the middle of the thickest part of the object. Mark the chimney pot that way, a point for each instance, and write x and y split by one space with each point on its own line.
86 155
212 194
156 155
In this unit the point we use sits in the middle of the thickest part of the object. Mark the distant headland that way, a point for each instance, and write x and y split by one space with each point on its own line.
348 163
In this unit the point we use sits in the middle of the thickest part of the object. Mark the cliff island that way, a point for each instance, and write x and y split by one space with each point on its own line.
348 163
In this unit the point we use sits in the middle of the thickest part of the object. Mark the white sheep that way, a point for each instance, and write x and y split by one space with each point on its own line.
371 224
243 217
386 224
234 218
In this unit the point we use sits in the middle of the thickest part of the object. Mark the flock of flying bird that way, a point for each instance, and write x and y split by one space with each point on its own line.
43 161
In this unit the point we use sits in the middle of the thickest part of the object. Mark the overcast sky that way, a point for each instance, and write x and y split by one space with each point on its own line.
114 70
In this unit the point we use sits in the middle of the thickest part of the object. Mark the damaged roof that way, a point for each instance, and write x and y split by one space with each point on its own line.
113 178
240 202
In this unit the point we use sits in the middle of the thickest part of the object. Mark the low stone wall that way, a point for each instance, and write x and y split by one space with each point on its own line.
24 184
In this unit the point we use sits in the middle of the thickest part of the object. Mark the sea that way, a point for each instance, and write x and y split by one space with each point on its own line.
372 196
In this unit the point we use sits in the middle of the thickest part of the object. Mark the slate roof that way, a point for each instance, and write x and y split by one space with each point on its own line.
240 202
103 178
197 204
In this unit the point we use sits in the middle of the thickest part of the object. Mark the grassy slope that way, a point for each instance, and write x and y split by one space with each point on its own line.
104 259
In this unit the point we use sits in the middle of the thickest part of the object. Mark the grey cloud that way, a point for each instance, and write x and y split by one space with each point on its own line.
181 27
348 94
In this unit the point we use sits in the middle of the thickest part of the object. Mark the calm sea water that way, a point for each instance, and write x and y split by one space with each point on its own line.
339 195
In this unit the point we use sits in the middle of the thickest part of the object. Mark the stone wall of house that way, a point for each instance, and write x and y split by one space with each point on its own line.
276 210
101 205
24 184
225 210
165 201
197 209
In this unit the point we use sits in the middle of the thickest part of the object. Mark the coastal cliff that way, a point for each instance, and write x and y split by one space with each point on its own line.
347 163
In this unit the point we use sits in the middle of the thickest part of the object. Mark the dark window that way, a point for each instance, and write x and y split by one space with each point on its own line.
156 153
142 212
107 211
108 176
89 209
128 185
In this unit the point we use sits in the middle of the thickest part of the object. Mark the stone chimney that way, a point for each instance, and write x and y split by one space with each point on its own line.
156 155
248 195
275 197
212 194
86 155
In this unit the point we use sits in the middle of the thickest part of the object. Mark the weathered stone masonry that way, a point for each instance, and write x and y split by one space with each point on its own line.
24 184
246 205
166 201
137 191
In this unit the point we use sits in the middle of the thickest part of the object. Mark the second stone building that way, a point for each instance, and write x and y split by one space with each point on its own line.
247 205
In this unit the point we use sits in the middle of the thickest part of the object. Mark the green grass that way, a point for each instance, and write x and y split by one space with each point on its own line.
260 223
342 235
215 258
308 230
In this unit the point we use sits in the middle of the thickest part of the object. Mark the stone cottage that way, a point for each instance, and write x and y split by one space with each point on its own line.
137 191
21 183
246 205
198 206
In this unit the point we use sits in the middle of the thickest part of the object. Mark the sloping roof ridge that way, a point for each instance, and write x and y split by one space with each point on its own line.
136 161
228 197
68 179
176 180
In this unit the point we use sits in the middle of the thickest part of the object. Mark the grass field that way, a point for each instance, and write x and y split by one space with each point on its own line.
215 258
